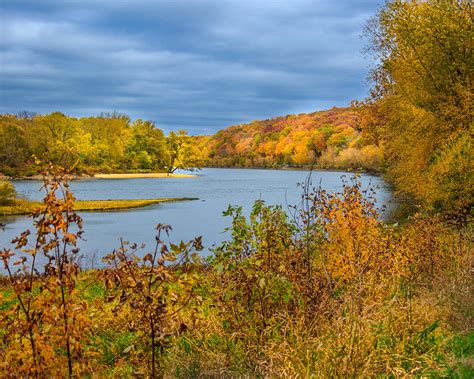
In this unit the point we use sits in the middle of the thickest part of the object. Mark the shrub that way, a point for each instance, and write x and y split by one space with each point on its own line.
45 329
7 192
328 291
149 293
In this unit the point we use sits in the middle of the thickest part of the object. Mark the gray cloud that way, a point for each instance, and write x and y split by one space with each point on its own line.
201 65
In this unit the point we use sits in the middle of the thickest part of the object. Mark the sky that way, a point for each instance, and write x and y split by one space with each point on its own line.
199 65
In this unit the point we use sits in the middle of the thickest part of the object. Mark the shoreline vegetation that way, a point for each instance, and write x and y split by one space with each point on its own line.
326 139
311 168
24 207
112 143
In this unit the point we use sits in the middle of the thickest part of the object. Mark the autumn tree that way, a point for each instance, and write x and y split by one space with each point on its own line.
14 147
56 138
146 147
422 99
182 153
109 134
7 192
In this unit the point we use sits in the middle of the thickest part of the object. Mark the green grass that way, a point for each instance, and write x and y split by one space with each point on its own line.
462 347
21 207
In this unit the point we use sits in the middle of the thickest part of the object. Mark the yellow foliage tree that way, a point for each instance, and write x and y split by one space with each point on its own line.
421 102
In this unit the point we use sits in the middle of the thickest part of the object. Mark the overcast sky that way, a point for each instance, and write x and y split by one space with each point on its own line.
196 64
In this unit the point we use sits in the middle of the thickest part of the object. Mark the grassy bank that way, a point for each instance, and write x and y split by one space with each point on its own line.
21 207
144 175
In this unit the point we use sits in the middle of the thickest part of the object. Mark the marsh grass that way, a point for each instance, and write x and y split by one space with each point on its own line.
23 207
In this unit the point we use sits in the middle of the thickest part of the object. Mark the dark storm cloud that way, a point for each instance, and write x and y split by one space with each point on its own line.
201 65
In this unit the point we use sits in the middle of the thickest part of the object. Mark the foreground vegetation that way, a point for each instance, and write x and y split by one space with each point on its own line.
330 291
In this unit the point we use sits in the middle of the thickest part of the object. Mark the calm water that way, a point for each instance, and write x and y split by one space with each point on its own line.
215 188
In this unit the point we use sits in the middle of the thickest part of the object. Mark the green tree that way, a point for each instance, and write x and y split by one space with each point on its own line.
181 152
146 147
14 146
109 137
56 138
7 192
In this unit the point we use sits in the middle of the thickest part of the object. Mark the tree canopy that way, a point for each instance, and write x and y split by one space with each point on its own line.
106 143
324 139
420 109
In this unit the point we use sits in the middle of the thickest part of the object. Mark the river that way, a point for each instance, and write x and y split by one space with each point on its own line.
215 188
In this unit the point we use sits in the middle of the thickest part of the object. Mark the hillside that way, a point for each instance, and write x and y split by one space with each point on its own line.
326 139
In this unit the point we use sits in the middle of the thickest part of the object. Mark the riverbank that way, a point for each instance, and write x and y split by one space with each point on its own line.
105 176
22 207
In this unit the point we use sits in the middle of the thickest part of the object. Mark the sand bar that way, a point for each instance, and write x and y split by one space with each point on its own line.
146 175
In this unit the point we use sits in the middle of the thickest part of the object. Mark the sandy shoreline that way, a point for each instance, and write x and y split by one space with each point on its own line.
148 175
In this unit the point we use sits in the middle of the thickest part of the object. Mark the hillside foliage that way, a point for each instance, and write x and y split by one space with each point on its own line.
325 139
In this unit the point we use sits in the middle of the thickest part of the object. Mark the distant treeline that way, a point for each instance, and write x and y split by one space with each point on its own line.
106 143
112 142
325 139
